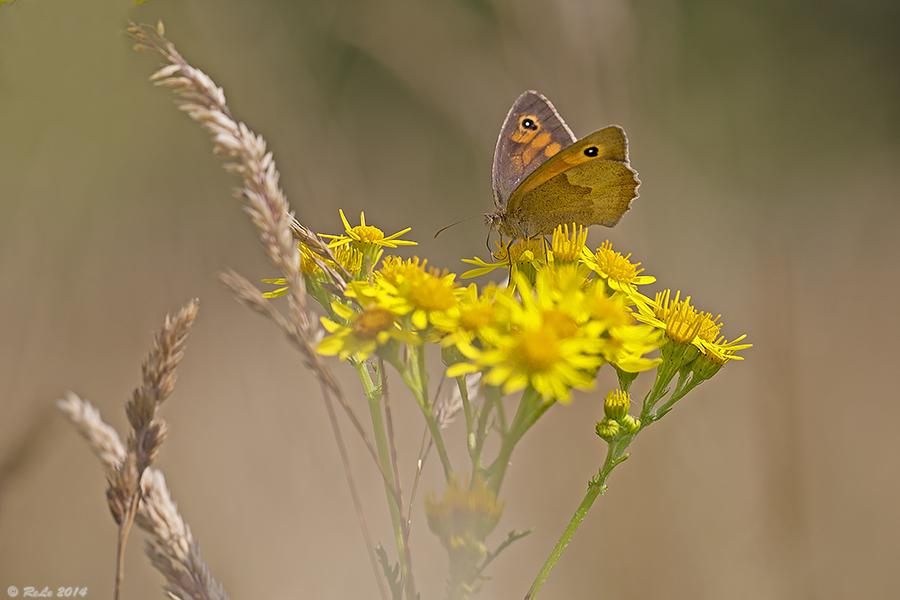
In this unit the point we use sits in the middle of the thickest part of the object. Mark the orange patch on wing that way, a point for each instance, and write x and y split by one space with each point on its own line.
535 146
551 149
542 140
522 136
529 152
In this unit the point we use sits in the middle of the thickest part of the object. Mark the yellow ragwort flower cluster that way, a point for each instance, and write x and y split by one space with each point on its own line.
552 336
551 330
565 313
684 325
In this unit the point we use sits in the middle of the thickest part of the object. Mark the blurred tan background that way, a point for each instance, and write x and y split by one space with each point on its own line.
766 136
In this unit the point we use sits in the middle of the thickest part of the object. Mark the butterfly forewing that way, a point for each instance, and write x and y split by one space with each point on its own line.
532 133
607 144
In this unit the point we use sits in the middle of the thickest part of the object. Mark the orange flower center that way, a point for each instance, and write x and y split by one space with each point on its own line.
682 322
372 321
429 293
608 310
537 351
616 266
368 234
709 330
562 324
476 317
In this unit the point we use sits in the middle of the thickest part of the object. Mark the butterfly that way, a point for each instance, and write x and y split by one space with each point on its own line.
544 177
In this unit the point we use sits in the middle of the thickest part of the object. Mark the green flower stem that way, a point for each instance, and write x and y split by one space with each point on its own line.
492 398
536 414
614 456
664 374
373 395
681 390
467 410
675 357
571 528
512 537
416 379
501 413
526 414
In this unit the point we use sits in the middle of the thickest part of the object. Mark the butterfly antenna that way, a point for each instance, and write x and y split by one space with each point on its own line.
457 223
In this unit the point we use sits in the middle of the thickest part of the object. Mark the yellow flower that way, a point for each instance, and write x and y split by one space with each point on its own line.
683 324
348 257
359 333
611 309
377 291
477 311
540 342
630 344
554 336
428 294
515 256
716 348
678 319
363 333
566 286
624 342
308 265
723 351
394 270
520 251
366 237
308 268
565 248
352 259
619 273
474 317
616 404
463 518
617 419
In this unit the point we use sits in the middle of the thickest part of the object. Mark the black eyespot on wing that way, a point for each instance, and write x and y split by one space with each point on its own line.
591 151
528 123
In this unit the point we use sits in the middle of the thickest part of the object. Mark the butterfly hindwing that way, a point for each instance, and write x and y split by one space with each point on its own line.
589 183
607 144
